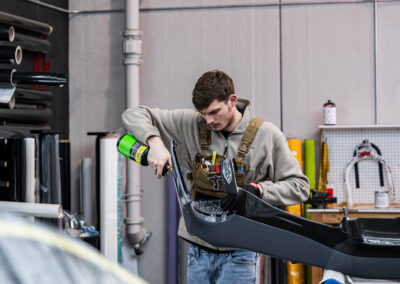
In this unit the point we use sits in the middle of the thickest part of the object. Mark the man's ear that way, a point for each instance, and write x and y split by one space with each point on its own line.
233 99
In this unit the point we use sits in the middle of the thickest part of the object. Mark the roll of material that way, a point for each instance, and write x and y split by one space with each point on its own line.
65 173
6 78
7 97
295 272
50 181
14 167
11 54
7 33
29 170
28 96
26 115
309 161
295 147
25 23
33 209
30 43
108 198
87 190
32 78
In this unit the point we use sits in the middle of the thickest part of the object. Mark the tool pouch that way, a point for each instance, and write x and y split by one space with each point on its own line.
208 181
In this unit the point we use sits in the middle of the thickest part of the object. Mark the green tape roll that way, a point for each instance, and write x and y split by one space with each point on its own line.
309 161
125 144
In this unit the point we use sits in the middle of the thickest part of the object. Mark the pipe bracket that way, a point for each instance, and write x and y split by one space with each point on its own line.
134 220
132 61
133 197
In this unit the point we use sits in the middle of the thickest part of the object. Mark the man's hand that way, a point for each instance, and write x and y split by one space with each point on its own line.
158 155
231 202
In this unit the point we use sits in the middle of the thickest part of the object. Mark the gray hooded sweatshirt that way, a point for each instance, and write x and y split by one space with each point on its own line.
271 164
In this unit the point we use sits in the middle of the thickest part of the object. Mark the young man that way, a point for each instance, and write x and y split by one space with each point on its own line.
269 169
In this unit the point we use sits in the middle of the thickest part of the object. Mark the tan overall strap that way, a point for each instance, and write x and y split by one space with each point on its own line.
248 138
205 140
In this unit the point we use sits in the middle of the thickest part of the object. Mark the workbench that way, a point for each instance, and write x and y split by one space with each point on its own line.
333 216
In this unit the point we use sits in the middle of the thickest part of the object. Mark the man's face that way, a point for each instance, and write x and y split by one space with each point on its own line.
219 115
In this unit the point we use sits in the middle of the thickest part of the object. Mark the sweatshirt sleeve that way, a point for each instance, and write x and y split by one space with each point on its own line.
289 185
144 122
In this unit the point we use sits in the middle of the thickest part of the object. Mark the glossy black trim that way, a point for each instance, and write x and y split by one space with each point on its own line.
263 228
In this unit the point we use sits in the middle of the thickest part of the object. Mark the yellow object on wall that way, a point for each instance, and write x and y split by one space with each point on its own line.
323 167
295 147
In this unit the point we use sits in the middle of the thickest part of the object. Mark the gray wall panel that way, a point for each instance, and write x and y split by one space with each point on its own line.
327 54
179 46
152 4
389 63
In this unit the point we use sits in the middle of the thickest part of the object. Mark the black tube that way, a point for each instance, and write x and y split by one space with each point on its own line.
37 78
15 169
30 43
11 176
7 33
6 78
28 96
65 171
25 23
11 103
27 115
11 54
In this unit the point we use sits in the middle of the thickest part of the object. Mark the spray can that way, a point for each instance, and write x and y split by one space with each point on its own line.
329 113
131 148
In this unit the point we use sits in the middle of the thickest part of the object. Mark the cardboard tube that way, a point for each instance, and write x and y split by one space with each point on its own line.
33 209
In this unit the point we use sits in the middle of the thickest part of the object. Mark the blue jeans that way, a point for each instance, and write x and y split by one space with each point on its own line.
219 268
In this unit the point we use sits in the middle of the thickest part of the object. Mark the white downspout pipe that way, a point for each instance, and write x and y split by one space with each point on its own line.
136 233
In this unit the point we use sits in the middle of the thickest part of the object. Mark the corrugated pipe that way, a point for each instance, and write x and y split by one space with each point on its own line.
136 233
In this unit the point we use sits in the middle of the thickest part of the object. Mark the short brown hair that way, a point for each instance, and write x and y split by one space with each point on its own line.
212 85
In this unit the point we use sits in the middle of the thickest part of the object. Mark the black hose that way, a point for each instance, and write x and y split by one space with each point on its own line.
27 96
33 78
25 23
37 78
26 115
